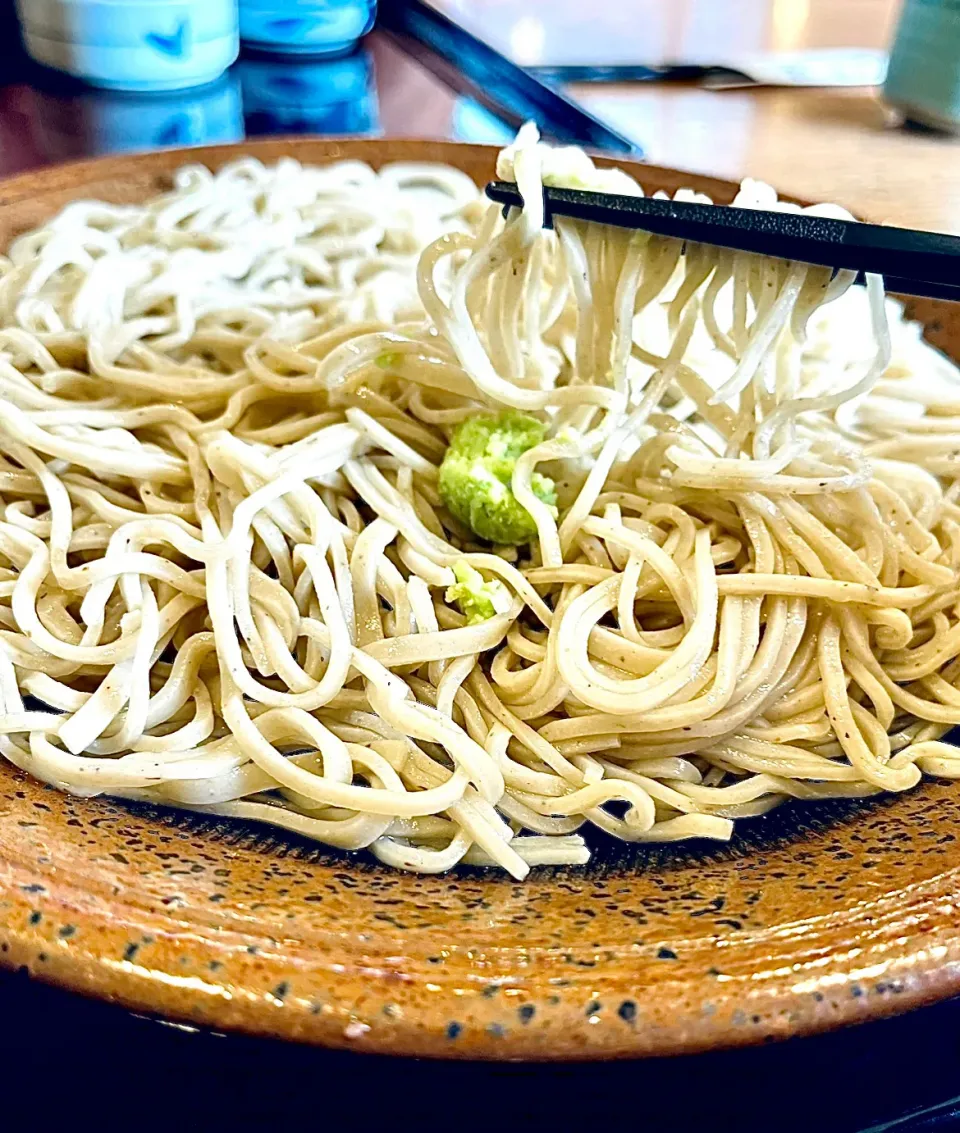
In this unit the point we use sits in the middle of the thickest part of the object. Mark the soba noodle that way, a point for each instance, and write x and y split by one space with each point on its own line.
224 556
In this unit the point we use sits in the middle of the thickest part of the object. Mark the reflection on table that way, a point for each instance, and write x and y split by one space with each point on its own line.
70 121
259 95
374 90
310 96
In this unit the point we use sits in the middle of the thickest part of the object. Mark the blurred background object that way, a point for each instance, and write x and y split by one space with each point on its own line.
138 45
71 122
472 122
495 81
923 79
305 27
309 96
659 33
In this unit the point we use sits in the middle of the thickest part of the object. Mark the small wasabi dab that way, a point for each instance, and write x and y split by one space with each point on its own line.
477 599
476 470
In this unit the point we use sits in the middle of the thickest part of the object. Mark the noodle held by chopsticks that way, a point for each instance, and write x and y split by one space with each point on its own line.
227 570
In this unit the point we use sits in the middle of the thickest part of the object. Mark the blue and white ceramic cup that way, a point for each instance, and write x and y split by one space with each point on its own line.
135 45
923 76
305 27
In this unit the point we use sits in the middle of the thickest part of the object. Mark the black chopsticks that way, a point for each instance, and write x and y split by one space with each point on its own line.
912 262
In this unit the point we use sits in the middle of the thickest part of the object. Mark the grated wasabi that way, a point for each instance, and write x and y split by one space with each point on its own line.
476 471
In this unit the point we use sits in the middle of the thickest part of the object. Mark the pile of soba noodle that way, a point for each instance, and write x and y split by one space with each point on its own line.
224 557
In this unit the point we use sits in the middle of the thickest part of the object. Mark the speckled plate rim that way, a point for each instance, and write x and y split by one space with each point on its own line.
467 966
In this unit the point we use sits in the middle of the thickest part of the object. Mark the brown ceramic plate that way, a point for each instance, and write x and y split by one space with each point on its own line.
812 917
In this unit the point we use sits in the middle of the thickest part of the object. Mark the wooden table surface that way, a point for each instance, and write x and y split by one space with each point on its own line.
838 144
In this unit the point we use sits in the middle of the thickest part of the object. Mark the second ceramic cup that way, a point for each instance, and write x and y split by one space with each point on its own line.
305 27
